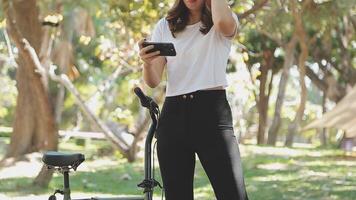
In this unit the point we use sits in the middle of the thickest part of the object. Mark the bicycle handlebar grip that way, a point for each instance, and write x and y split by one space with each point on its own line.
143 98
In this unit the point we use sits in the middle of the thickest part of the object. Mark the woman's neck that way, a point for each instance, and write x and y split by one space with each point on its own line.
194 17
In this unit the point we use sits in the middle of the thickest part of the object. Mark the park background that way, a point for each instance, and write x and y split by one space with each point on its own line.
293 62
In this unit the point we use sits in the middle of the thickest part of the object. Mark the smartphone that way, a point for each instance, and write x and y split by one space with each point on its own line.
166 49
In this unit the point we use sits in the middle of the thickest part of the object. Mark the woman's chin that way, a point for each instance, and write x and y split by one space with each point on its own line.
193 5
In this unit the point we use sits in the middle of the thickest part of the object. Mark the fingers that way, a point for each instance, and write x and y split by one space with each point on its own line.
146 57
150 55
140 43
145 49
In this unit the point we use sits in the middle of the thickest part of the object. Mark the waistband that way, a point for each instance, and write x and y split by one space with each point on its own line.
208 94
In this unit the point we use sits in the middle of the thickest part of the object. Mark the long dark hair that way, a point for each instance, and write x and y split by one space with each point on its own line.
178 17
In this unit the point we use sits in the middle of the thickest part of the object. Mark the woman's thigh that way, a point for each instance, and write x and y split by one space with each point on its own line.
176 158
222 163
218 151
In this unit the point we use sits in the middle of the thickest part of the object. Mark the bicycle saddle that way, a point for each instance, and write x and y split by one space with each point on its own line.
58 159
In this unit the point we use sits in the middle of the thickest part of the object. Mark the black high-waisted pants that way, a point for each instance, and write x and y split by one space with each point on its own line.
199 122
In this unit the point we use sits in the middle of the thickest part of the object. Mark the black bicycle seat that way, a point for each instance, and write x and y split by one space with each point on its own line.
58 159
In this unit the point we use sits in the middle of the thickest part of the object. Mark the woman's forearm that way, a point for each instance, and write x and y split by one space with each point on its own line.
222 17
150 76
152 72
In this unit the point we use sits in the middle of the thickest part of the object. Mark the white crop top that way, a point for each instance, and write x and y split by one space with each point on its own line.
201 60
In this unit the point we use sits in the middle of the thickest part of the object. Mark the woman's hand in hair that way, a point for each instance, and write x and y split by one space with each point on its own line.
208 4
147 58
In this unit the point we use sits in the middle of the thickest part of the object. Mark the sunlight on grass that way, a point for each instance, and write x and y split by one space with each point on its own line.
276 177
28 167
271 173
273 166
203 192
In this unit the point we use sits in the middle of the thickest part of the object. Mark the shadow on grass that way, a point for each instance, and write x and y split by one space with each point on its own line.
117 180
304 177
106 181
268 177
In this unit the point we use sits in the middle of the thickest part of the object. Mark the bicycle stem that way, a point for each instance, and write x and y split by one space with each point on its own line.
148 182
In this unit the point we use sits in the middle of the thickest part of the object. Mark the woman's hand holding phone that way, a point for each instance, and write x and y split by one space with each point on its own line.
147 57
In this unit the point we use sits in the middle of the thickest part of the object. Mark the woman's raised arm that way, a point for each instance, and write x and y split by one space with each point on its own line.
223 20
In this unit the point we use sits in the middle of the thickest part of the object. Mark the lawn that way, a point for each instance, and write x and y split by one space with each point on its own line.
271 173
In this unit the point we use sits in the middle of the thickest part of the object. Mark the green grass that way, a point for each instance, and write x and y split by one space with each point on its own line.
308 174
271 173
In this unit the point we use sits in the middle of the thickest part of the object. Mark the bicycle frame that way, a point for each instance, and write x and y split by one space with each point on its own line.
149 182
148 161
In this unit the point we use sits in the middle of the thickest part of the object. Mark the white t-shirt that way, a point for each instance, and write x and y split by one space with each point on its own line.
201 60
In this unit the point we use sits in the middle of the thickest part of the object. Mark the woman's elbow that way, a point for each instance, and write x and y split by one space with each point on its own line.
227 28
152 84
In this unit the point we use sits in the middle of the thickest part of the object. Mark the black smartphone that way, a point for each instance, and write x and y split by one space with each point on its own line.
166 49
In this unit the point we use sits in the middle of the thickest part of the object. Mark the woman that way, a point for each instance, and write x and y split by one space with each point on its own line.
196 116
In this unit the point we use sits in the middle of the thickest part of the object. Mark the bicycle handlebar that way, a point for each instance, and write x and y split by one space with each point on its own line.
149 182
145 101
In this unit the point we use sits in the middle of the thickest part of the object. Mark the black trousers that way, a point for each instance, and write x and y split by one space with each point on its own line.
199 123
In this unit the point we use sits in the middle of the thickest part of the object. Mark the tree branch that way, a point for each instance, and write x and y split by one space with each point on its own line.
117 140
30 55
270 36
257 6
319 83
11 54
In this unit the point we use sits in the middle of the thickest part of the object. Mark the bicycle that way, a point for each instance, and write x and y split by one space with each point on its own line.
64 162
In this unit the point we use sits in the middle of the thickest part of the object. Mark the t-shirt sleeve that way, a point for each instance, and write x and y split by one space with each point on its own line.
236 28
157 32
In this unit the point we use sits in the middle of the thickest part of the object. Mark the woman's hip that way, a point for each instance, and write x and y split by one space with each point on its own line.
200 110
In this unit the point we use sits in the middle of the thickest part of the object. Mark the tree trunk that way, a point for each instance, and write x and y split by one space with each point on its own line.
262 104
323 131
293 128
288 62
264 95
34 126
349 72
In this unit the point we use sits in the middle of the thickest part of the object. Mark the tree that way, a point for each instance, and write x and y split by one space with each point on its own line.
34 127
262 65
311 30
304 41
289 49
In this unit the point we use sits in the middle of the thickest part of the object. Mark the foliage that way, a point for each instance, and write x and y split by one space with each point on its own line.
8 90
118 25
